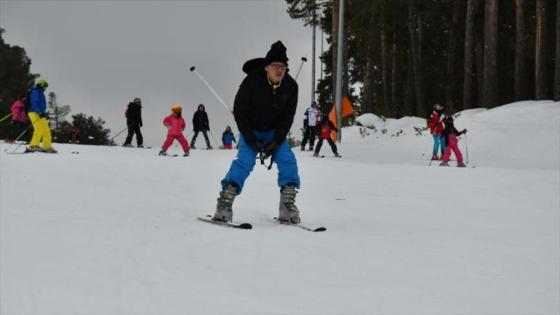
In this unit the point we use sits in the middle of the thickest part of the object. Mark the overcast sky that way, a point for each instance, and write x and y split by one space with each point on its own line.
98 55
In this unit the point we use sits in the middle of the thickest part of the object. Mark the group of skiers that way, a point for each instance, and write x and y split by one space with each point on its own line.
264 110
445 136
317 124
32 109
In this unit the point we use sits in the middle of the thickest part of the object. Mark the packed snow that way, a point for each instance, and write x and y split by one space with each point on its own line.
112 230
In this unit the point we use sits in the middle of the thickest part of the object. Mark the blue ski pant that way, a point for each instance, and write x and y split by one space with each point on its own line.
244 163
438 141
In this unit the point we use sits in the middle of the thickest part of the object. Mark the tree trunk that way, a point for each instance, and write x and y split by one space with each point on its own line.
479 75
557 62
541 80
369 85
451 53
385 72
415 30
521 81
409 98
396 110
334 44
490 92
469 55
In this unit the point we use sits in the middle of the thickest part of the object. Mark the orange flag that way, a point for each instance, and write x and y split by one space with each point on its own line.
346 110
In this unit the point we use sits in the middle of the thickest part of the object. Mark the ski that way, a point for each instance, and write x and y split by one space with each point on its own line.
302 226
243 226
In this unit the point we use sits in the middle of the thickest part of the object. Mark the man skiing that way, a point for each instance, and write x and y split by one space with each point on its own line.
264 110
134 122
201 124
312 119
38 116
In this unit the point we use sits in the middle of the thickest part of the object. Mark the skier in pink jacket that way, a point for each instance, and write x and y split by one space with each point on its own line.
19 119
175 125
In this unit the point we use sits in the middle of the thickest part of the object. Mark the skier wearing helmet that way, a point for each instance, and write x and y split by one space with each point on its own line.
175 125
39 119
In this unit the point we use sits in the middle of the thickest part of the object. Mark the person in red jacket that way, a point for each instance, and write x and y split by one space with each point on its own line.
19 119
175 125
435 124
325 129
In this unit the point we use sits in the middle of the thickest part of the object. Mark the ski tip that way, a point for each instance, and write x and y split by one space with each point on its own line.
245 226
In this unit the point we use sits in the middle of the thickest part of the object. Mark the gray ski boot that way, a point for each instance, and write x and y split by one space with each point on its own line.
224 212
289 213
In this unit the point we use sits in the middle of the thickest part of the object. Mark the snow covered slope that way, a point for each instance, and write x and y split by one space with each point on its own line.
113 230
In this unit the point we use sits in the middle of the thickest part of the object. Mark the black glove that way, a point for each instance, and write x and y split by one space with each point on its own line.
44 115
258 146
269 149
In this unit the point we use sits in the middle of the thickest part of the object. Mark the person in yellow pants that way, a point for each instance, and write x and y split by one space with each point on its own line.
38 115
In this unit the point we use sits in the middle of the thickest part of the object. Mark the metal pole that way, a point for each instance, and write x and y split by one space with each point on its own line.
193 69
313 53
303 59
339 70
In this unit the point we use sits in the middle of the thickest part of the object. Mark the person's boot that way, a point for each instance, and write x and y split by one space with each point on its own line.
50 150
316 154
163 152
186 153
33 148
444 163
224 212
337 155
435 157
289 212
302 148
461 164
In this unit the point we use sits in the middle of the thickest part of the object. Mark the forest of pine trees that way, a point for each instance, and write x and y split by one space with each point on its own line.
406 55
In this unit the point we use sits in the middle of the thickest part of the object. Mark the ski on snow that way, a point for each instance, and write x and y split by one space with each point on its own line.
248 226
243 226
303 226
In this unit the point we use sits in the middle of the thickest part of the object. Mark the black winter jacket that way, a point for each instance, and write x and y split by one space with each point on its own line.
134 114
200 121
258 107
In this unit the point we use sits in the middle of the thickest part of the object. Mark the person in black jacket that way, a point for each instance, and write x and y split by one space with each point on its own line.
201 124
264 110
134 122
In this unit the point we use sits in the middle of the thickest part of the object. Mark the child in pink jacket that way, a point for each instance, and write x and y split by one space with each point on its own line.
451 134
19 119
175 125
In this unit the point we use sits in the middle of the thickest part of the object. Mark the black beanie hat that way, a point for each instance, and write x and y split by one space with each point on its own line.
277 53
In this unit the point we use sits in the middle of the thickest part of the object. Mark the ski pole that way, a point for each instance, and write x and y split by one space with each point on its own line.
467 148
125 128
18 137
193 69
303 60
5 117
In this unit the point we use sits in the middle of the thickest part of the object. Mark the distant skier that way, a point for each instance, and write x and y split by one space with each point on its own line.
450 134
312 119
134 122
201 124
38 116
228 138
435 124
175 125
264 110
325 128
19 119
